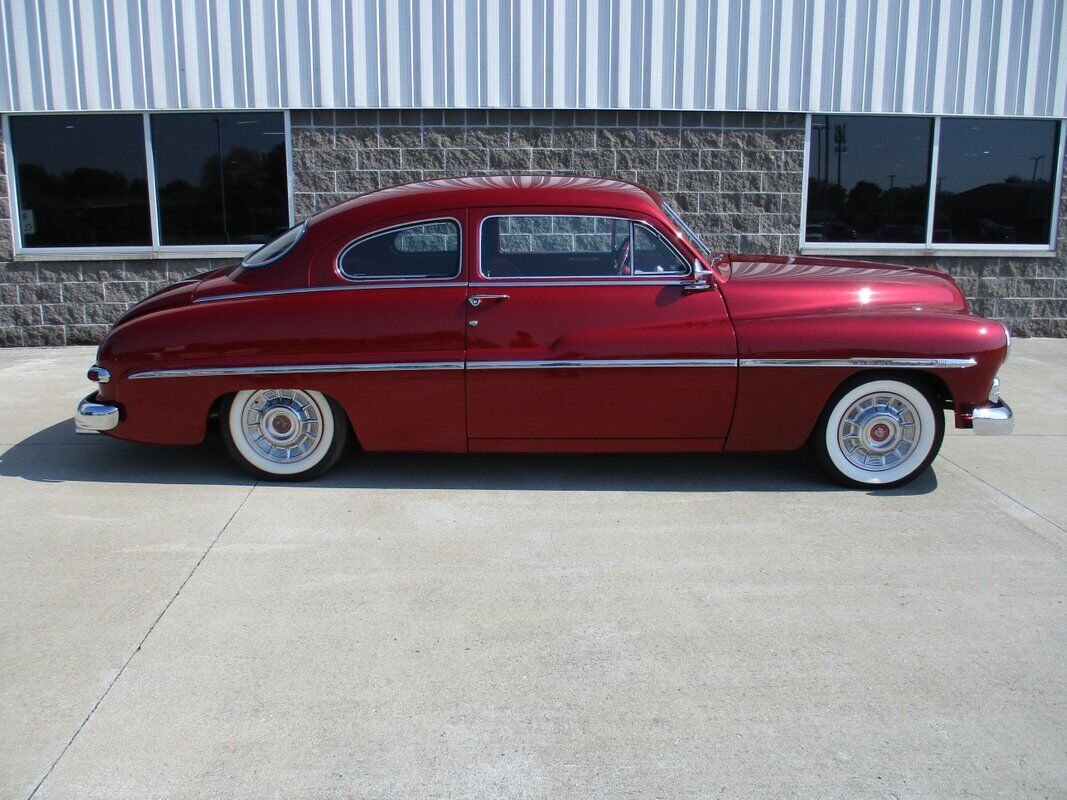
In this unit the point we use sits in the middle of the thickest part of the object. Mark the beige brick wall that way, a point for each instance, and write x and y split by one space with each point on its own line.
737 177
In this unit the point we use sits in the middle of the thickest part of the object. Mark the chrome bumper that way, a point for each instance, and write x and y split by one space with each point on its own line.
93 417
993 420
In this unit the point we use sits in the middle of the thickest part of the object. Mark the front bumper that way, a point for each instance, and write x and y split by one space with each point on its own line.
94 417
993 420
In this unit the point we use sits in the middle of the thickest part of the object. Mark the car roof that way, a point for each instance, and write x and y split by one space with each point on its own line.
497 190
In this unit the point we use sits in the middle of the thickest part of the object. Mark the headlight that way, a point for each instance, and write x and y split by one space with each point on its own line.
994 391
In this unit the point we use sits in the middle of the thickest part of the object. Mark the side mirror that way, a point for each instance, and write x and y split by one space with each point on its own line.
701 279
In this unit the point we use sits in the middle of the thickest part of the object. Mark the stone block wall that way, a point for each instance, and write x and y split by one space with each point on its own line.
736 177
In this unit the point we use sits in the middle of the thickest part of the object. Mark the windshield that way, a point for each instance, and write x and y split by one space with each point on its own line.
274 249
689 233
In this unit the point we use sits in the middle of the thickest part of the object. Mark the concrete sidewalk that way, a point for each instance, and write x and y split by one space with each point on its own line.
499 626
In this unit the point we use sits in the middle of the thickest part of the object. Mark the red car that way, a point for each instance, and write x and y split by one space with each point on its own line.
537 314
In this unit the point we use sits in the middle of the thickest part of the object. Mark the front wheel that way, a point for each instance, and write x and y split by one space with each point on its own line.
283 434
879 433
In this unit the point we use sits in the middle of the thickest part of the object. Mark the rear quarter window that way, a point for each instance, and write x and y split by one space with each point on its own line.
418 250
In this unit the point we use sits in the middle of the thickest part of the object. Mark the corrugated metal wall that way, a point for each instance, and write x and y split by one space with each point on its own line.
906 56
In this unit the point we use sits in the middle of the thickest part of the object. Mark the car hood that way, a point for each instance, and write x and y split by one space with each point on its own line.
780 286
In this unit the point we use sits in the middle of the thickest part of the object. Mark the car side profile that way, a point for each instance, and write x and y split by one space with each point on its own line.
546 314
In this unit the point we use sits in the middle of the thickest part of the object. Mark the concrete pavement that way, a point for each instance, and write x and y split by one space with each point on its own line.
432 626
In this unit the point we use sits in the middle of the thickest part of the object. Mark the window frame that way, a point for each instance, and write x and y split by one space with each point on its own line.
156 249
402 278
644 277
928 247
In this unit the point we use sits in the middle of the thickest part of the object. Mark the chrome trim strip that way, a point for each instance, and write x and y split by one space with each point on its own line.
212 372
310 289
900 363
605 362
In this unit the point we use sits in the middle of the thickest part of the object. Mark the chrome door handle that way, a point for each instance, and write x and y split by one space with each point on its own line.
477 299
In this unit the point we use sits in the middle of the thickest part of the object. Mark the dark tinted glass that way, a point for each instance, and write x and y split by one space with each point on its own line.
220 177
652 255
425 250
868 179
995 181
81 180
554 246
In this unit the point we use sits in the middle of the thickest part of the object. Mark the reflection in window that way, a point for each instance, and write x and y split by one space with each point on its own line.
868 179
421 250
81 180
552 246
221 178
995 181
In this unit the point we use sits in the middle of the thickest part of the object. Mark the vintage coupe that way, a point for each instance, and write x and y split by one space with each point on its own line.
512 313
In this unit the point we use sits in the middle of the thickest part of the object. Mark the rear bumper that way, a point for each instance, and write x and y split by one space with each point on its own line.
94 417
995 419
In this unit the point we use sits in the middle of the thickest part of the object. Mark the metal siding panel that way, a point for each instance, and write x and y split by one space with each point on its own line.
971 57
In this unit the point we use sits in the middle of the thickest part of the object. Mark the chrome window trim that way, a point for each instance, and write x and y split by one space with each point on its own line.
579 280
312 289
409 224
593 363
212 372
901 363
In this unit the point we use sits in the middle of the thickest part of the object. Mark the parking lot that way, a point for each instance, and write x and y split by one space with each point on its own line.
528 626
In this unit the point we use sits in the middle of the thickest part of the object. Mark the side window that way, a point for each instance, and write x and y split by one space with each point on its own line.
653 256
420 250
555 246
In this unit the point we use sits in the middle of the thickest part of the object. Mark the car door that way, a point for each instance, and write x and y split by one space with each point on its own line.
581 334
389 307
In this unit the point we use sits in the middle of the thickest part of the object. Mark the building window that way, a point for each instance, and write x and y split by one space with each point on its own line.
84 181
81 180
220 178
868 179
995 181
919 183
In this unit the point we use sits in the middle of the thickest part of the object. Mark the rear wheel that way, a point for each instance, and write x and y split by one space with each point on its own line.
283 434
878 433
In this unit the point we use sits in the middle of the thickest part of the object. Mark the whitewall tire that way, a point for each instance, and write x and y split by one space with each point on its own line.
283 434
878 433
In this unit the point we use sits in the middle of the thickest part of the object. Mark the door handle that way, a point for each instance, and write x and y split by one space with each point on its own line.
477 299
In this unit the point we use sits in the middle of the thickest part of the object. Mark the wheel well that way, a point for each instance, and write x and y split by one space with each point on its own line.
927 382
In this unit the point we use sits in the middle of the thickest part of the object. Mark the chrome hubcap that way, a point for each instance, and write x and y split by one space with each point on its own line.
878 431
284 425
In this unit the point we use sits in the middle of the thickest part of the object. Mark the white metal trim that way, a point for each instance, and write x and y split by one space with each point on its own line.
150 170
14 208
289 179
931 188
1058 182
805 180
